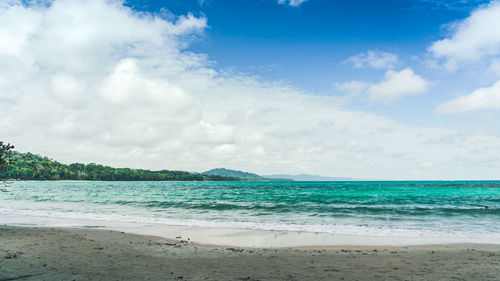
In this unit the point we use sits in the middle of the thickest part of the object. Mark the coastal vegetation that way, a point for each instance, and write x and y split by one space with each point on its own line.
233 173
6 151
28 166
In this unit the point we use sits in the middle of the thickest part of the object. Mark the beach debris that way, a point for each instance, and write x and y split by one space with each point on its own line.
20 277
10 256
235 249
331 269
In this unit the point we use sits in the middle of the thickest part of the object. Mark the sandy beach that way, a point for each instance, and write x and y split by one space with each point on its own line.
35 253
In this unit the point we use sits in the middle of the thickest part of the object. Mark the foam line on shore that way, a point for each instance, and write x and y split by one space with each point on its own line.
237 237
336 229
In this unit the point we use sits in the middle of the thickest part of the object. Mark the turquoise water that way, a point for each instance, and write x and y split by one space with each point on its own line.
408 209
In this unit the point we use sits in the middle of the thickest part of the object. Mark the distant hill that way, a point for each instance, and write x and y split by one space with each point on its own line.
223 172
28 166
306 177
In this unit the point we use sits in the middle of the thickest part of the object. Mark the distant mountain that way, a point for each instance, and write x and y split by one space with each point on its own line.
306 177
223 172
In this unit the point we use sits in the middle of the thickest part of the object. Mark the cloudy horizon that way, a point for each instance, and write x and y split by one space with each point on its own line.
132 85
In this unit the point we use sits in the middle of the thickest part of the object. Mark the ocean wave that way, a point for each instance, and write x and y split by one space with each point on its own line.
339 229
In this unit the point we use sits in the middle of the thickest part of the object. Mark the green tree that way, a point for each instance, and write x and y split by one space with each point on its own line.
29 166
5 155
5 159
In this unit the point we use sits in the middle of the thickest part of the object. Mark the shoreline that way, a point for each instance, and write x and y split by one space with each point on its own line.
241 237
337 247
317 181
44 253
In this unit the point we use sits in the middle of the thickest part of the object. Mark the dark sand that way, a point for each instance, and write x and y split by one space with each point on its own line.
89 254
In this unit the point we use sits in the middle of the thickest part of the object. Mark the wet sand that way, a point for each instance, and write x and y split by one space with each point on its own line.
29 253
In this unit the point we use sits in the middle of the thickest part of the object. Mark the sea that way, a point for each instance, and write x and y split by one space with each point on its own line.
458 209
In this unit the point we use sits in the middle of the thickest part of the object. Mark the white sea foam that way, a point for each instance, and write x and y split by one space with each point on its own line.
338 229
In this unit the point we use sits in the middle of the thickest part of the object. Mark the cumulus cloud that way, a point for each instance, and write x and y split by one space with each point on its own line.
374 59
293 3
398 84
472 39
94 81
482 98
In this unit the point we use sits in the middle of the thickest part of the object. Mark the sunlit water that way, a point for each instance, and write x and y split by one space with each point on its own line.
408 209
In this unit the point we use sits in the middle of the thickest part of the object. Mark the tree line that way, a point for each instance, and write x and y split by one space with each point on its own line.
28 166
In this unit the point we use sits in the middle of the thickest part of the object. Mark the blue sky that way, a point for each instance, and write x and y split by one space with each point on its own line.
307 45
363 89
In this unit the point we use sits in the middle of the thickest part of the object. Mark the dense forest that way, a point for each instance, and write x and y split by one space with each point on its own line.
233 173
28 166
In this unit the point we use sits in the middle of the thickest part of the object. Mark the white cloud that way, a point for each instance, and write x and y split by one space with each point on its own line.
93 81
482 98
397 85
353 87
294 3
473 39
374 59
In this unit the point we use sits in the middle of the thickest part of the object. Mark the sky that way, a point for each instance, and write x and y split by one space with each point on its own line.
364 89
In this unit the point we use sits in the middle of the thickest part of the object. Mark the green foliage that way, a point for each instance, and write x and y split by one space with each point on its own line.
28 166
5 155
